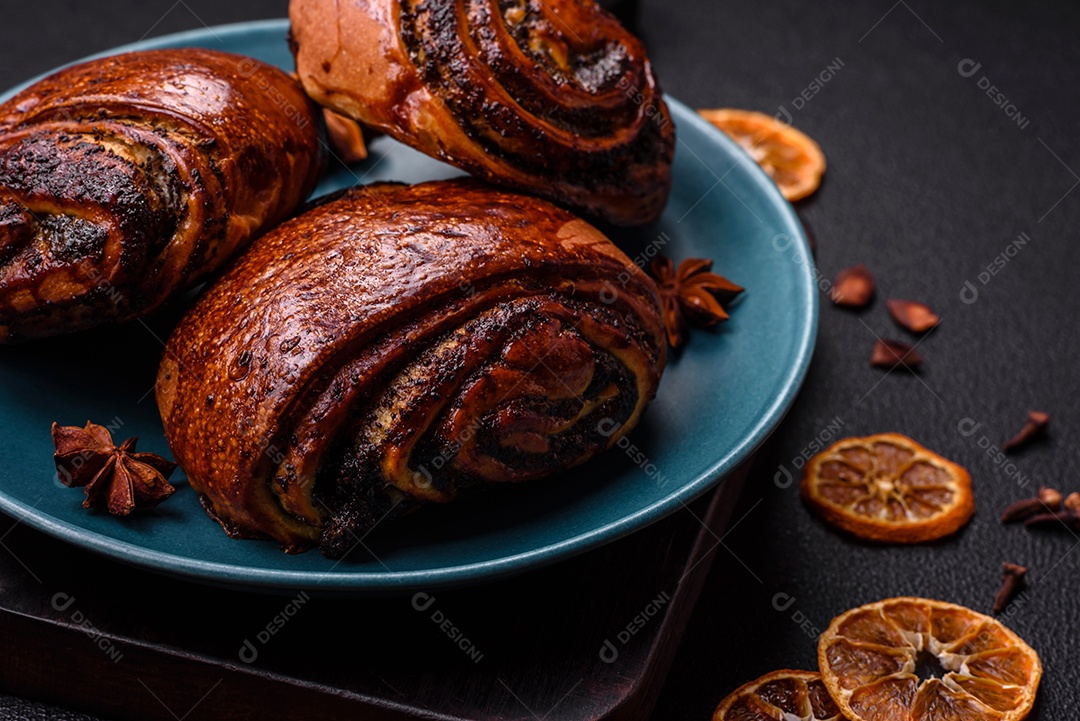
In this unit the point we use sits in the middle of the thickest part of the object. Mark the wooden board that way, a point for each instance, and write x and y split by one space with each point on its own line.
590 638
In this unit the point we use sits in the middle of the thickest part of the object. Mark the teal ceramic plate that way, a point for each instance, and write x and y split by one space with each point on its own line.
718 401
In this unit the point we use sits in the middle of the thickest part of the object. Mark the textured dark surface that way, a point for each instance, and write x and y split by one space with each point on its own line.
929 182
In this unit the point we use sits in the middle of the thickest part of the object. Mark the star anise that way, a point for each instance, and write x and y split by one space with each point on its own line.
692 294
124 479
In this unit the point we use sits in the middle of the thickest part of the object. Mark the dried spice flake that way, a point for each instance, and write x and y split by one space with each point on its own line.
116 475
853 287
894 353
916 317
691 294
346 137
1037 421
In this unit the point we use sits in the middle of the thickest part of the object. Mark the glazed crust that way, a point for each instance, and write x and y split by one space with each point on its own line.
126 179
397 346
552 97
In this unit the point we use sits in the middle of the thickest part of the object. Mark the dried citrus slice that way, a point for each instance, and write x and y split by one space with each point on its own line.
788 695
913 659
887 487
790 157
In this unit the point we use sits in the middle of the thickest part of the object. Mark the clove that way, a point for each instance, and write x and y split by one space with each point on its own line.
1066 517
1047 501
1012 580
1050 497
1022 510
1036 425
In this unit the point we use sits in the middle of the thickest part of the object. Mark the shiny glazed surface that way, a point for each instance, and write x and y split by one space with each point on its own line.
552 97
399 345
719 398
126 179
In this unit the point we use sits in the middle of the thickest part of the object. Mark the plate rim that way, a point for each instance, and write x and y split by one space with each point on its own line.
237 576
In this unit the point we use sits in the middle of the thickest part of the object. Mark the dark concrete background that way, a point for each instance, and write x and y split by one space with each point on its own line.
930 180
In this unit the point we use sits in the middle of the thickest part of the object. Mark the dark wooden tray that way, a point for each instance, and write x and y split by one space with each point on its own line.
590 638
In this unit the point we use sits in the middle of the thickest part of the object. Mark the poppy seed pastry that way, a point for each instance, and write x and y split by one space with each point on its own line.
550 97
128 179
399 346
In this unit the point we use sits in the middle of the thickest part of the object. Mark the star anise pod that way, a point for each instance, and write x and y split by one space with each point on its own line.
692 294
124 479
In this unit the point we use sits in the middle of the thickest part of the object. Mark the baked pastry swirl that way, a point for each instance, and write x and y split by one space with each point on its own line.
551 97
126 179
398 346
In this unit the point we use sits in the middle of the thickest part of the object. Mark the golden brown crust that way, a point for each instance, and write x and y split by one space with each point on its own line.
126 179
554 97
383 350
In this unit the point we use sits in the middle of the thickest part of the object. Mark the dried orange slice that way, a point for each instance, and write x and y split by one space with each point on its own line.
788 695
920 660
887 487
790 157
